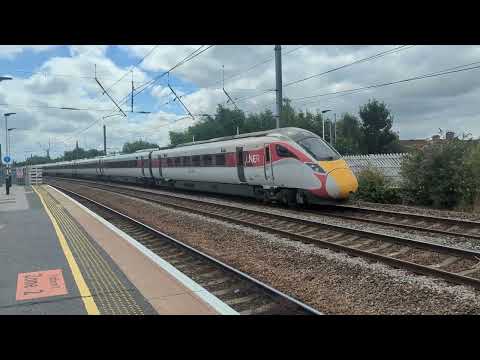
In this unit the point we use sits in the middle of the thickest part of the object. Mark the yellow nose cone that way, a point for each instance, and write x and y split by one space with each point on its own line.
340 179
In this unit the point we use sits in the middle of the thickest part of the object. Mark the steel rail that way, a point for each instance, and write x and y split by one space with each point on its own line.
470 254
417 268
224 266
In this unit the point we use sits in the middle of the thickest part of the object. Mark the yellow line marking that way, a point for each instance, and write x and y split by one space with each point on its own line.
87 298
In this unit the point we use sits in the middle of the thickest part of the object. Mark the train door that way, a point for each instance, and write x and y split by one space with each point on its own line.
150 164
97 167
240 162
160 166
101 166
142 164
267 164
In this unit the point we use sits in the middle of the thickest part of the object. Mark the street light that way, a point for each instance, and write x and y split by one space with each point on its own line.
6 130
9 142
323 123
7 173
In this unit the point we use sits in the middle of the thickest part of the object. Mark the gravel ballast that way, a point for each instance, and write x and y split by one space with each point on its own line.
333 283
474 216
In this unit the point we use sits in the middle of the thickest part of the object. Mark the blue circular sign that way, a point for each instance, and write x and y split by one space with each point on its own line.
7 159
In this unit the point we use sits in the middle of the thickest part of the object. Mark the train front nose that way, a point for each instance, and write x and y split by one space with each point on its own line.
341 182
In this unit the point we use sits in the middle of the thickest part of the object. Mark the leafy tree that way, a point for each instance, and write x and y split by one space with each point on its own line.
374 186
372 135
349 135
131 147
377 121
472 162
225 122
34 160
178 137
443 174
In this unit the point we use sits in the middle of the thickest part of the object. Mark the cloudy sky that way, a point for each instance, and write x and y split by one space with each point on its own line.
46 78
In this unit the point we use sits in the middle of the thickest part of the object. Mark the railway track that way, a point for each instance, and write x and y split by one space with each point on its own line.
453 264
241 292
459 228
426 223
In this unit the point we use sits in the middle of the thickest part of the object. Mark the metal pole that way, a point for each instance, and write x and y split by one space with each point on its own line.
7 188
278 78
335 131
6 135
1 166
323 128
132 96
104 140
330 137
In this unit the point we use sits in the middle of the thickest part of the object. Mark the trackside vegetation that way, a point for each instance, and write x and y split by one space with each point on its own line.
442 174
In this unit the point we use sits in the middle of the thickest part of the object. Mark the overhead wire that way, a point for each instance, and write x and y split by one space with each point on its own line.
255 66
372 57
369 58
191 56
134 66
455 69
188 58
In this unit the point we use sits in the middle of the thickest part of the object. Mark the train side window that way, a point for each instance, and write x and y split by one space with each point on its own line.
186 161
207 160
178 160
267 153
284 152
220 159
169 162
196 160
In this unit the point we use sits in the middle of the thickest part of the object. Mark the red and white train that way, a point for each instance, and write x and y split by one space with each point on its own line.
290 165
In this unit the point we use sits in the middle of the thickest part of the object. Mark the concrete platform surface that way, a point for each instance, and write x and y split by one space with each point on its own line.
57 257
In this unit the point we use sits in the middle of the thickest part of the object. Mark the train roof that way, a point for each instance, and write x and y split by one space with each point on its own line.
290 132
293 133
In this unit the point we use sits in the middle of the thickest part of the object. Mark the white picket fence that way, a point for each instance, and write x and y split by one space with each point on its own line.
388 164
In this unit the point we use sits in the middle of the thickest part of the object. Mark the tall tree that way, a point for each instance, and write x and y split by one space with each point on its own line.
377 128
131 147
349 135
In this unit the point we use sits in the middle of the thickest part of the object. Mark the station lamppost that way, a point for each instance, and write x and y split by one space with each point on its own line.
8 179
6 130
2 78
9 142
323 123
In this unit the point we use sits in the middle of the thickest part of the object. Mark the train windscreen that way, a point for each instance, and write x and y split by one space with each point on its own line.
311 143
318 149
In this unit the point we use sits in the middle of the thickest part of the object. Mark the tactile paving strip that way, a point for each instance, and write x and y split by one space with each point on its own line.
109 292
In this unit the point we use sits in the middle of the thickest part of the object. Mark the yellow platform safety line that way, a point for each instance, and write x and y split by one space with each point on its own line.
87 298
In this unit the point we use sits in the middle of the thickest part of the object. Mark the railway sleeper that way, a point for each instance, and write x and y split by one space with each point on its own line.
263 309
402 251
244 299
447 261
216 281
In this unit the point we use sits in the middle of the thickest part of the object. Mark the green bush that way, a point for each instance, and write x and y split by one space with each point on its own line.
375 187
444 174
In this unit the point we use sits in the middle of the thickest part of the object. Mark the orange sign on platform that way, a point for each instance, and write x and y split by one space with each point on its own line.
40 284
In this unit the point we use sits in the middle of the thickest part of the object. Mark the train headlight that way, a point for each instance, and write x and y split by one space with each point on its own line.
315 168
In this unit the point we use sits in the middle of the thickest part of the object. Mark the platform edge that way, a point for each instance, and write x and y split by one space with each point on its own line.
86 296
204 294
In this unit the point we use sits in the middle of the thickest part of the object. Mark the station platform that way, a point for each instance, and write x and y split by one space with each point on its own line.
57 257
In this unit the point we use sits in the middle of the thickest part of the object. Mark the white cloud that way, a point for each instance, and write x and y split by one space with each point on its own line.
419 107
11 51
